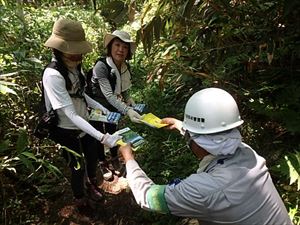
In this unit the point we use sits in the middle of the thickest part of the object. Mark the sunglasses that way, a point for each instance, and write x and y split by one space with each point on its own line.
73 58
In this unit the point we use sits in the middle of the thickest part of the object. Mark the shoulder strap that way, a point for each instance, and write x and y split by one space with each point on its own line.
55 65
111 77
42 106
103 59
64 72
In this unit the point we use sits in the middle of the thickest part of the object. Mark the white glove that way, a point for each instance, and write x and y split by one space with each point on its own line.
134 116
110 140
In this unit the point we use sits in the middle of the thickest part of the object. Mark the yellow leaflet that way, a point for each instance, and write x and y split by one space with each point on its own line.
152 120
121 142
96 115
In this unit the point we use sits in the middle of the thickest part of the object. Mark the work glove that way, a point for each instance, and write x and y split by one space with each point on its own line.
110 140
134 116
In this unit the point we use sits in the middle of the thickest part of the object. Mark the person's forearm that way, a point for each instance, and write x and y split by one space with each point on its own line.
139 182
105 87
147 194
81 123
127 98
95 105
117 103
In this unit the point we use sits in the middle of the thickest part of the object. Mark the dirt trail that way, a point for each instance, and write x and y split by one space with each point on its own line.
113 210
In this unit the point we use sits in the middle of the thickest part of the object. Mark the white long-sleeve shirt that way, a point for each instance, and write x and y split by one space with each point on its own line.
72 112
234 189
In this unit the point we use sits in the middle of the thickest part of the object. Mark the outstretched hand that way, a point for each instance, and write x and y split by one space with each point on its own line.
173 123
110 140
134 116
126 152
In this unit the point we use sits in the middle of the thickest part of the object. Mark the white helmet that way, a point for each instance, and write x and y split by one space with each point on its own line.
211 110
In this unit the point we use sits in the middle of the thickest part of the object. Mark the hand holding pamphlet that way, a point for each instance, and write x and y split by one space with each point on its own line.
112 117
129 136
152 121
139 107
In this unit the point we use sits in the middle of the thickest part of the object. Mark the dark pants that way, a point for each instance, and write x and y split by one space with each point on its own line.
78 166
105 128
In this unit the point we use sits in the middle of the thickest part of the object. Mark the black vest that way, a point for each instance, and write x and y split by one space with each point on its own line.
95 90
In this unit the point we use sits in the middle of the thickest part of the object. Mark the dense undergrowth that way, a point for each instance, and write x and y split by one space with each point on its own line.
237 47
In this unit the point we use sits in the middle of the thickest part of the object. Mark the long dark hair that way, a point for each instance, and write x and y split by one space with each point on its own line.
64 70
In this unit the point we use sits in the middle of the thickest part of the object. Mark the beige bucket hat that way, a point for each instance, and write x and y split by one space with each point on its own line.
68 37
124 36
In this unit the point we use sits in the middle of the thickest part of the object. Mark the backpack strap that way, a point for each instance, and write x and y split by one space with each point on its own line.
94 90
64 72
111 77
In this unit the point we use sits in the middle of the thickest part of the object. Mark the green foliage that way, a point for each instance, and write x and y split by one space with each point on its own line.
115 13
289 167
23 158
243 47
24 163
78 157
4 89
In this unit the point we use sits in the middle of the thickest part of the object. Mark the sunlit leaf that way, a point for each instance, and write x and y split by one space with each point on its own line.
289 166
78 166
169 49
35 60
4 90
12 169
71 151
7 83
293 162
8 74
29 155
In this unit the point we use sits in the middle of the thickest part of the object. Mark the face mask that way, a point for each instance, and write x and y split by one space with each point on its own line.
73 58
